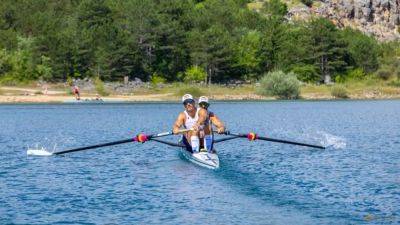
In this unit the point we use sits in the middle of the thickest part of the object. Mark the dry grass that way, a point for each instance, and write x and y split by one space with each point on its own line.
366 89
312 89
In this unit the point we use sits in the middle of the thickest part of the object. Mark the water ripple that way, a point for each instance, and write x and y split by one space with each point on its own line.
354 181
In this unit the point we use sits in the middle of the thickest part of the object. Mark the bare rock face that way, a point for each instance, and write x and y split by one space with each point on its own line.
380 18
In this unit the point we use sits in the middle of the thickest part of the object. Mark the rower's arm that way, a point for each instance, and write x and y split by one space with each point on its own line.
178 123
202 118
218 123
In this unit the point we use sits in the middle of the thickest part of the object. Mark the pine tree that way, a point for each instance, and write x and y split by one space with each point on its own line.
328 48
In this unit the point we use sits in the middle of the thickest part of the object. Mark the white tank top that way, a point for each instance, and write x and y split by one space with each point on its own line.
190 121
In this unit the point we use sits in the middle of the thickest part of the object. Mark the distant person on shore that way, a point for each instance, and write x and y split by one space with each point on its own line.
45 87
76 92
98 98
211 119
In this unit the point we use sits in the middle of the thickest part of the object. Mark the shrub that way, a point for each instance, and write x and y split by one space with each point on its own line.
277 83
8 80
194 74
306 73
338 91
68 91
70 82
195 91
395 83
44 70
384 73
12 80
157 79
340 78
99 86
356 74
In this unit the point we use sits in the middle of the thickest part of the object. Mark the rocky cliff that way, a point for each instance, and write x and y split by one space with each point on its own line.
380 18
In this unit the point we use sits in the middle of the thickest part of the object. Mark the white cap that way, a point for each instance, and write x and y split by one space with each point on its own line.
187 96
203 99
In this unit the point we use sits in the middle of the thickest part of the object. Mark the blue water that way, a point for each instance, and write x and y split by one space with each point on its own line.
356 180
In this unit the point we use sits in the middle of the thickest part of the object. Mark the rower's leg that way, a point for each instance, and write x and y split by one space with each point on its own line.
208 139
194 141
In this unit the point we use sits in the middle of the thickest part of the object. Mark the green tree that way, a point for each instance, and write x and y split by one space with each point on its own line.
328 48
247 54
273 33
217 26
363 50
172 56
44 70
212 49
295 47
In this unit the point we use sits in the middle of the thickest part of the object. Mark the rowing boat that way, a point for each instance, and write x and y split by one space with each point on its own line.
203 158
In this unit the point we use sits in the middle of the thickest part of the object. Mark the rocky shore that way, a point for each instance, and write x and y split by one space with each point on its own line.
380 18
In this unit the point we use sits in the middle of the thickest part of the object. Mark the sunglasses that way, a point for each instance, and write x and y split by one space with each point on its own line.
204 104
187 101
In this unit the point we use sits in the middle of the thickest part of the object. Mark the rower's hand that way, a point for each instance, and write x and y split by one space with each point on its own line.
196 127
221 130
175 131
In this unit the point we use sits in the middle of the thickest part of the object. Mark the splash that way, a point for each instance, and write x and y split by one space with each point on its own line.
330 140
40 151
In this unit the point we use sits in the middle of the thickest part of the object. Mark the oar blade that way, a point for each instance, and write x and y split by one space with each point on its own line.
38 152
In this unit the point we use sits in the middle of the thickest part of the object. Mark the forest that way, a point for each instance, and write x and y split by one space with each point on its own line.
211 41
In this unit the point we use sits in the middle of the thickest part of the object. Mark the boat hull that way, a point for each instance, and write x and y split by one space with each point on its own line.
204 159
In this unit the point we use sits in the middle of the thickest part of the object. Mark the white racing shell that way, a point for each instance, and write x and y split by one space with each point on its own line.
205 159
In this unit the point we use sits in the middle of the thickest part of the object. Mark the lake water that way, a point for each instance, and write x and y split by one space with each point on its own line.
356 180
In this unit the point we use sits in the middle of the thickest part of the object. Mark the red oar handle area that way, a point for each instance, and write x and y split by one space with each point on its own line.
142 138
252 136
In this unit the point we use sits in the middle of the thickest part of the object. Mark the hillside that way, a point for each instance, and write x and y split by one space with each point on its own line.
380 18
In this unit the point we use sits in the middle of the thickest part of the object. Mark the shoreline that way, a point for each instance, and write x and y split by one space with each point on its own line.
46 99
29 95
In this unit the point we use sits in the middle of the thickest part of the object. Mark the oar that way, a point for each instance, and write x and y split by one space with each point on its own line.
168 143
253 136
139 138
225 139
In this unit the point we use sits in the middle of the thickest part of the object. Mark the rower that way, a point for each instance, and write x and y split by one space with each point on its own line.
192 118
211 119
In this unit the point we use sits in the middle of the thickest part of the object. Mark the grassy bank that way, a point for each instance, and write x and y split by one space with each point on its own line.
58 92
369 89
